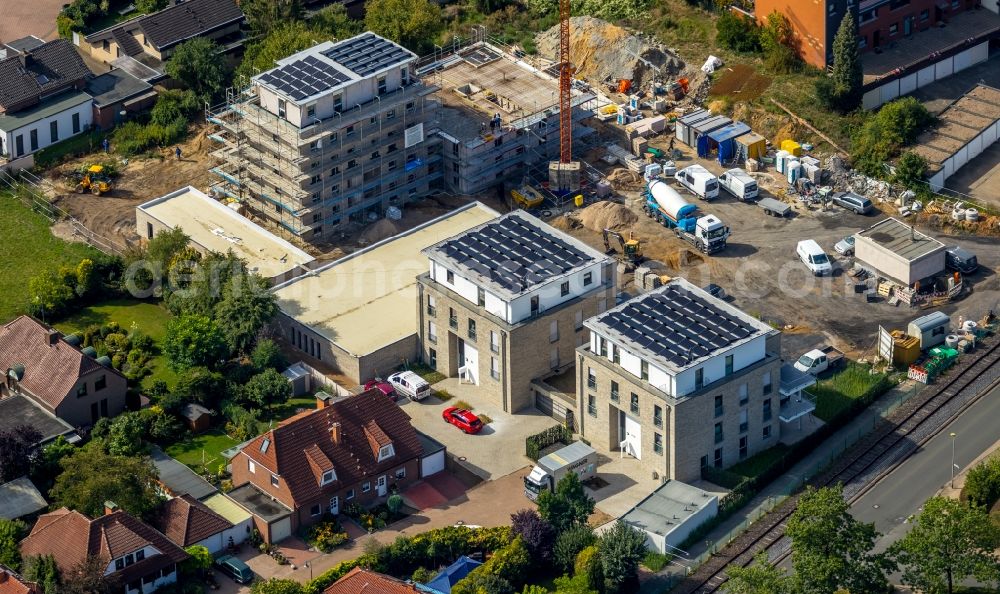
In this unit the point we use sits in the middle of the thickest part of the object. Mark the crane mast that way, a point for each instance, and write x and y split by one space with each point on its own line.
565 85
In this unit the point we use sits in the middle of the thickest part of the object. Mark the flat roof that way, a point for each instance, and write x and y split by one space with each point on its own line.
49 107
20 497
20 410
257 503
178 478
367 300
677 325
958 124
901 239
669 506
514 253
227 508
218 228
117 85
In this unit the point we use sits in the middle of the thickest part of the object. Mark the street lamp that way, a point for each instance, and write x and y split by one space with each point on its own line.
952 435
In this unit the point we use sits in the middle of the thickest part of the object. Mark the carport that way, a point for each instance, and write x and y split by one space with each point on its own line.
723 140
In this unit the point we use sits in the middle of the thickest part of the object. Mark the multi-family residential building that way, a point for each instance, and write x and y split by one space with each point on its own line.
138 559
334 134
351 451
505 302
70 383
679 379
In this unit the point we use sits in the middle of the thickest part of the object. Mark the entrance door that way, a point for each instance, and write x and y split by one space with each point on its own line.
877 38
380 486
470 363
94 415
631 432
335 505
907 26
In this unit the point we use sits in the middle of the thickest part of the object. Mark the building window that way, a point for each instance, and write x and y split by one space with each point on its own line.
452 318
602 346
767 409
767 432
767 383
591 378
380 81
893 28
578 321
718 406
699 378
591 405
729 364
718 457
311 111
34 139
76 123
274 481
316 510
251 466
634 403
744 424
494 342
54 130
494 368
431 306
744 394
614 391
390 114
616 354
432 358
644 369
385 452
658 443
81 390
588 277
743 447
401 474
718 433
365 487
924 15
481 297
658 415
449 277
564 289
338 103
472 329
862 42
328 477
350 495
432 334
553 330
282 107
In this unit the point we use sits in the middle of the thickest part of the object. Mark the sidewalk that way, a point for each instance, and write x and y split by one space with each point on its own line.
781 487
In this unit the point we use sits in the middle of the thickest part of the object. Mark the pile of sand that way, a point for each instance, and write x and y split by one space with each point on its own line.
603 52
607 215
625 179
384 229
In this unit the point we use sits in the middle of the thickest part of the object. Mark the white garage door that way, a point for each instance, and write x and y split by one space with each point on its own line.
281 530
432 464
470 363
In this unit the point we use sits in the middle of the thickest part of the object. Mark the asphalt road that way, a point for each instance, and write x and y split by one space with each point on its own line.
903 492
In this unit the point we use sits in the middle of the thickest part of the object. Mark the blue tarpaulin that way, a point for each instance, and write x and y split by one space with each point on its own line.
723 138
703 128
450 575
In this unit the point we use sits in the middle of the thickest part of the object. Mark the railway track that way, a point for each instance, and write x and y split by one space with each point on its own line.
862 465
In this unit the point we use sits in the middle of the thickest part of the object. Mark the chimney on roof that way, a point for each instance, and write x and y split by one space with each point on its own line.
110 507
52 336
335 433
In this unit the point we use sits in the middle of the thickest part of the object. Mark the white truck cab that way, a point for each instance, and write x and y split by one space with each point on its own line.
740 184
410 384
699 181
814 257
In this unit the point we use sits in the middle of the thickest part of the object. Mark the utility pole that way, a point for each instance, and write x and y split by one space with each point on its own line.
952 435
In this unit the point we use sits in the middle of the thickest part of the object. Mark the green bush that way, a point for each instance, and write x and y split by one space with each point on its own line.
326 535
655 561
534 444
737 33
982 485
884 134
511 564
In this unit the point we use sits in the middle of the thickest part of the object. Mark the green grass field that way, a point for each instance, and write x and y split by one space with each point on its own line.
204 448
28 248
150 318
837 392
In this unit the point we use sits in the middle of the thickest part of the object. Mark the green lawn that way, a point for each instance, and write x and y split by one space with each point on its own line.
28 248
759 462
151 318
837 392
280 413
204 448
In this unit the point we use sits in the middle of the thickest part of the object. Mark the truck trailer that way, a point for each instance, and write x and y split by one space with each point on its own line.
667 207
577 457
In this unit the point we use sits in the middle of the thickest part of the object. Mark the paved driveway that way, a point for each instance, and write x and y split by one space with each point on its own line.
498 449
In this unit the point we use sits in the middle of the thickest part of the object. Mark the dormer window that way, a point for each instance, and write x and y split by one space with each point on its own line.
385 452
264 445
328 477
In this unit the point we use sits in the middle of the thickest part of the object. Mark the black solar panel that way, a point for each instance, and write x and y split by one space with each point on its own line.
677 325
514 254
367 53
304 78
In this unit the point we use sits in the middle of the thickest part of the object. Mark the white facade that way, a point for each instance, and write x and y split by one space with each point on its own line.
144 586
42 129
220 540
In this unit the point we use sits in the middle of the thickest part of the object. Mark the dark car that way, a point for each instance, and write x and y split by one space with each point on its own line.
462 418
961 259
234 568
382 386
852 201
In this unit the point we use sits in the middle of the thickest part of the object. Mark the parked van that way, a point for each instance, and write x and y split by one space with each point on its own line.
960 259
234 568
699 181
814 257
852 201
739 183
410 385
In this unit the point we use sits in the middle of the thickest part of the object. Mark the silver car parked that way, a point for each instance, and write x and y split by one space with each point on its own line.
852 201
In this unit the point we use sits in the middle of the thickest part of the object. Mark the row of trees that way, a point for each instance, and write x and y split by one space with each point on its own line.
950 541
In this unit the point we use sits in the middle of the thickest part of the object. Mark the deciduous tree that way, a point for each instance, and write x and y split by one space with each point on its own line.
43 571
411 23
126 435
266 389
569 505
11 533
90 476
16 447
198 64
264 16
759 578
246 307
569 543
194 340
267 355
621 549
537 534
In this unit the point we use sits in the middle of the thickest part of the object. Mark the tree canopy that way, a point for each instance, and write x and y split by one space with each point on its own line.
567 506
621 549
91 476
198 64
194 340
410 23
848 76
265 389
11 533
246 307
759 578
16 447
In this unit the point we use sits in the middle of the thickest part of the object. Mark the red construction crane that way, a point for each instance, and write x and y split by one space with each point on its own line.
565 84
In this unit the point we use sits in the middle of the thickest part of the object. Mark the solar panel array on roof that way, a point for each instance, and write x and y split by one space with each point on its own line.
367 53
304 78
514 254
677 325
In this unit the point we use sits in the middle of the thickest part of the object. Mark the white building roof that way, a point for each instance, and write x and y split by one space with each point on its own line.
668 507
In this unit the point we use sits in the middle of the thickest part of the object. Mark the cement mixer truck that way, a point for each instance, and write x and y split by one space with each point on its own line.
667 207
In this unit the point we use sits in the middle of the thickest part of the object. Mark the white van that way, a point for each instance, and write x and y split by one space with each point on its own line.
814 257
410 384
739 183
699 181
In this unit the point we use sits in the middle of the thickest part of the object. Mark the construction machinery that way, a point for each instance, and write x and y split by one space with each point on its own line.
527 197
94 179
665 206
631 248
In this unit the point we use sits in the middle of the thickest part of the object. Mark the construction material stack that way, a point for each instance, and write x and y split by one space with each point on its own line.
667 207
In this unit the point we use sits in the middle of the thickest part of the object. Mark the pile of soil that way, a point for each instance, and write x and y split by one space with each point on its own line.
376 232
566 222
607 215
604 52
624 179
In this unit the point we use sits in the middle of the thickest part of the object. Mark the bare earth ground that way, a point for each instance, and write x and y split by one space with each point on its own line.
20 18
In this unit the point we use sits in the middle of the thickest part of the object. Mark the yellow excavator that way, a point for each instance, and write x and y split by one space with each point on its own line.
631 248
93 179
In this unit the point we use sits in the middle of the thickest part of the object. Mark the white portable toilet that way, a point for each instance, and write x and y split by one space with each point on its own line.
779 160
793 169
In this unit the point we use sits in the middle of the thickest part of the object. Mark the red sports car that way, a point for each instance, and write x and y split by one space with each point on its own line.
382 386
464 419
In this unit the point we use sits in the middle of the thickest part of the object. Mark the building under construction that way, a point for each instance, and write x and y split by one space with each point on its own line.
334 134
499 115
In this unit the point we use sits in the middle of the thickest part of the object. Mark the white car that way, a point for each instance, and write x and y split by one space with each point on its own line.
814 257
845 246
410 384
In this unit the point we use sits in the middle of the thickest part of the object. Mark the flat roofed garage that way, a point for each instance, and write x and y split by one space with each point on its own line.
899 252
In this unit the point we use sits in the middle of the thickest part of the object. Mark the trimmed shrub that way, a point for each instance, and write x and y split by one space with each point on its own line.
534 444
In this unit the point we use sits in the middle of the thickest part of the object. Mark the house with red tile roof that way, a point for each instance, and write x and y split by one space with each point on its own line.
138 557
354 450
187 521
41 364
361 580
12 583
